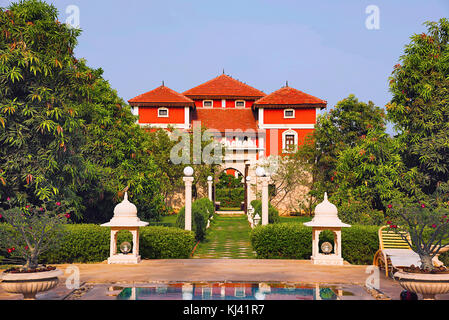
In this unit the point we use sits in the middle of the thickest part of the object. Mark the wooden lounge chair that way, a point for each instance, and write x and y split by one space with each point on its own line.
394 252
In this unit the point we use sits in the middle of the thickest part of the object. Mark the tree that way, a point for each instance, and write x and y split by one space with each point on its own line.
337 130
420 109
294 174
40 90
355 161
65 133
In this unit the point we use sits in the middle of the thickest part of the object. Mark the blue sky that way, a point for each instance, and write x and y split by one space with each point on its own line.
320 47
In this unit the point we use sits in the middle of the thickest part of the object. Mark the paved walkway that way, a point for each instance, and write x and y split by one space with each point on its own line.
227 238
101 275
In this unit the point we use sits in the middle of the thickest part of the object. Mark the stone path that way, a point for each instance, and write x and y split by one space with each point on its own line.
227 238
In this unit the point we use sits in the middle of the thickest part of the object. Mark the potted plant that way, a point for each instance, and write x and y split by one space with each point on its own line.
28 232
428 227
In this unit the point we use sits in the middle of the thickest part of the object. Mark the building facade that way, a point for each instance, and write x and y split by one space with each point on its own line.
251 124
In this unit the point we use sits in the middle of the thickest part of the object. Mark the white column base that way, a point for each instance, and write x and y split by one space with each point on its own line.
327 259
124 259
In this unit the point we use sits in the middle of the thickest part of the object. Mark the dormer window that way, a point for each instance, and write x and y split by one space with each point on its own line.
289 113
208 103
240 104
162 113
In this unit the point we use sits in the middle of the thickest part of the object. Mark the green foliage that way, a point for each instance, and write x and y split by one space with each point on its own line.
64 132
40 90
428 226
34 230
84 243
228 181
230 197
356 161
273 213
420 110
202 210
294 241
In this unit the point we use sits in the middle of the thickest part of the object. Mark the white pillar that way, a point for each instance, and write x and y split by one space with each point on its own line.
265 200
135 234
248 191
113 243
209 187
188 205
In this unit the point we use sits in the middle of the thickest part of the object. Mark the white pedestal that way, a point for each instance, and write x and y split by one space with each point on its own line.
124 259
327 259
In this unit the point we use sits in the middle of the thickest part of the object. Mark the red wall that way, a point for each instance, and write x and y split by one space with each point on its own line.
276 116
271 134
149 115
230 103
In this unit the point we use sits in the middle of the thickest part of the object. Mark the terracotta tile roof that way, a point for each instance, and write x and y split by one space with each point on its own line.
291 97
222 87
222 119
161 96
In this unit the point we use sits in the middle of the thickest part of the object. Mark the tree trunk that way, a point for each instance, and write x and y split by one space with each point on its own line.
426 262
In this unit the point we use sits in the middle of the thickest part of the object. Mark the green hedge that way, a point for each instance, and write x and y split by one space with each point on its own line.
230 197
294 241
83 243
202 210
273 213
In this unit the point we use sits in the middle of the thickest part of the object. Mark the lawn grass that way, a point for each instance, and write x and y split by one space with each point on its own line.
227 238
167 221
229 209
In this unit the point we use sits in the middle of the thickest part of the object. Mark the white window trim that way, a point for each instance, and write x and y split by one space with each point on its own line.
162 116
212 105
289 117
244 104
284 134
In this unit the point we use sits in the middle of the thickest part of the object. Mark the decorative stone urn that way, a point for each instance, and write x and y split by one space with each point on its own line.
425 283
125 218
326 218
30 284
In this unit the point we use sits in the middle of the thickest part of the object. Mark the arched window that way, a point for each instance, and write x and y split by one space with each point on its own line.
289 140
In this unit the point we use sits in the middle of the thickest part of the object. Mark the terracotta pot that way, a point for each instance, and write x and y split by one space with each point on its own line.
425 283
30 284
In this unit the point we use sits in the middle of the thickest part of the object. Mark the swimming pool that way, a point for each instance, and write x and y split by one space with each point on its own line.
230 291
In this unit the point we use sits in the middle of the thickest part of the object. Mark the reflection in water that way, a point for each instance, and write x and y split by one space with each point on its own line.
229 291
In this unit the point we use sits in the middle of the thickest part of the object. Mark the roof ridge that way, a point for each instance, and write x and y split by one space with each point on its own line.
204 84
175 92
266 99
166 90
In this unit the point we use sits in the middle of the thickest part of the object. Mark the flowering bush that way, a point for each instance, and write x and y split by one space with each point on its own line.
427 225
35 229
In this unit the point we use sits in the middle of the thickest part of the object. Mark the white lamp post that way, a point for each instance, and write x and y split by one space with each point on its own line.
209 187
188 180
260 172
326 218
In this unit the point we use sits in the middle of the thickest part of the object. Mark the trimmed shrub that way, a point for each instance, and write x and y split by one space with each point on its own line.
230 197
205 206
83 243
202 210
273 213
294 241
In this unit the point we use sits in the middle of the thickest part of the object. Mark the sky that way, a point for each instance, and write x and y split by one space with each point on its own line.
323 48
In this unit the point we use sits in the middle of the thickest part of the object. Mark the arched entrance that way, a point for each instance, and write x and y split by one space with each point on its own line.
230 190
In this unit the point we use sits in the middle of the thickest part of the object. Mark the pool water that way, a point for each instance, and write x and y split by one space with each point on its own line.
230 291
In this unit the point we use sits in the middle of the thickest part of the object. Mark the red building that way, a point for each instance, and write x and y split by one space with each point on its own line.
269 123
252 125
